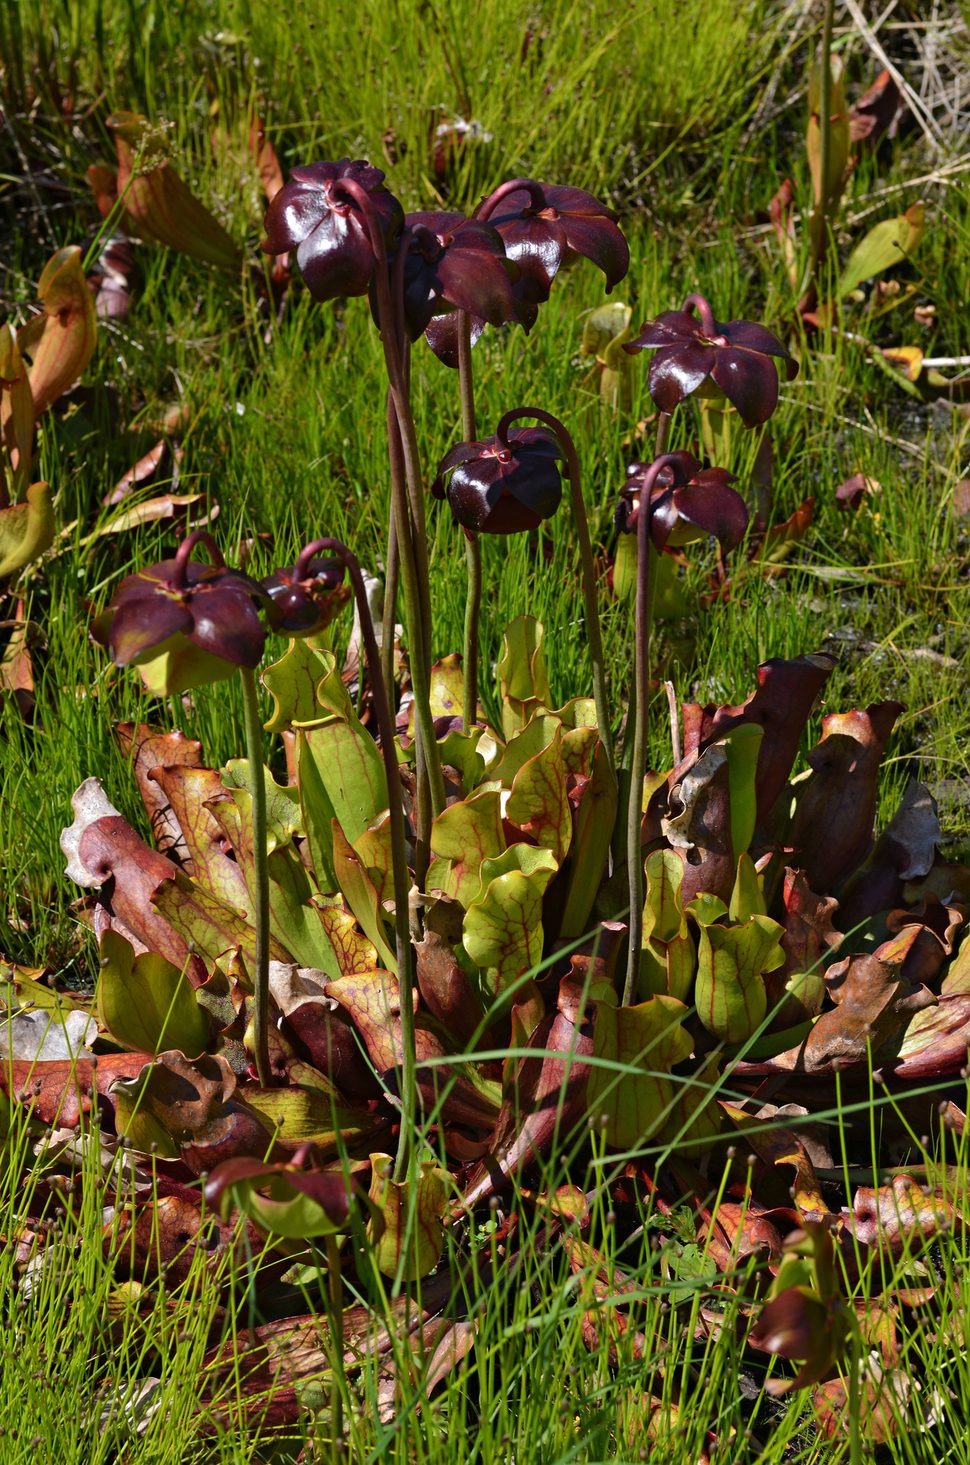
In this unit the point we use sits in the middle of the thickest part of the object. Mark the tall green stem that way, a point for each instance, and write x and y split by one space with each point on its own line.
335 1296
399 857
646 592
254 753
593 632
473 548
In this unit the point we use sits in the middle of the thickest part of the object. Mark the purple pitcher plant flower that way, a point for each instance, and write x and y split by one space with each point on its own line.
504 484
319 214
205 615
304 598
737 356
687 502
454 263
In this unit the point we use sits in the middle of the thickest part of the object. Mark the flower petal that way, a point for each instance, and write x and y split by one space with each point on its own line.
293 214
143 622
677 371
537 245
337 258
476 282
597 238
226 623
441 335
751 337
749 380
671 328
716 509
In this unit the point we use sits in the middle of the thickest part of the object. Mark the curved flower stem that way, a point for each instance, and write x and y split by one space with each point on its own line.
473 548
409 508
702 305
515 185
254 754
646 591
399 861
586 557
183 554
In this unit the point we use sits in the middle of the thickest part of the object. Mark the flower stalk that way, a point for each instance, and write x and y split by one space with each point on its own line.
586 559
253 727
399 862
646 594
473 548
409 516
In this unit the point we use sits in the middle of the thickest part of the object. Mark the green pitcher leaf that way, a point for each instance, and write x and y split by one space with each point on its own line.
283 818
747 897
26 530
463 837
303 1115
539 804
347 764
663 913
742 745
460 750
146 1003
649 1039
522 746
522 675
839 131
292 683
886 244
410 1239
502 929
374 848
294 921
210 927
361 895
729 992
594 819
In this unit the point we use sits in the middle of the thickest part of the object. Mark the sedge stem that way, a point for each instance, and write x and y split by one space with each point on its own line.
819 221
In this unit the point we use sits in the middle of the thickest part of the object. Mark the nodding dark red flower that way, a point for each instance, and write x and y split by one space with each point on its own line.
203 616
687 502
544 226
305 597
541 227
502 485
454 263
738 357
320 215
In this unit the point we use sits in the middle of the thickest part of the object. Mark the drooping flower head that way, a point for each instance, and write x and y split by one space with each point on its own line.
454 263
324 214
738 356
199 622
305 597
687 502
542 227
504 484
